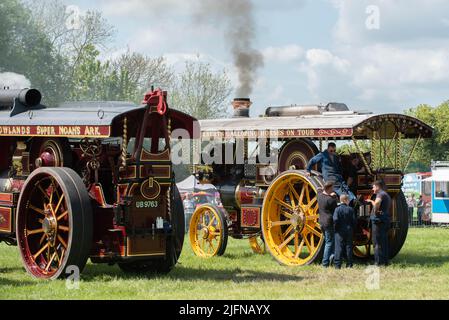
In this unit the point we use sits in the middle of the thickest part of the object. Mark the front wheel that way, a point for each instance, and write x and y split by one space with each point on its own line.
54 223
208 231
290 225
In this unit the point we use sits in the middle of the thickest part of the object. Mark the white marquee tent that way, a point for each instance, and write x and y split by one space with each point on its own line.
191 184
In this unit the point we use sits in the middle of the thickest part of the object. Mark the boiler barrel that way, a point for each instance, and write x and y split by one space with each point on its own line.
292 111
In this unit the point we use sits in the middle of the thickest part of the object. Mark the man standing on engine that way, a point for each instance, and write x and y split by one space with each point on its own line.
331 169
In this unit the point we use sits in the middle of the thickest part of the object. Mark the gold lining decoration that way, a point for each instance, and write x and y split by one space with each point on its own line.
150 189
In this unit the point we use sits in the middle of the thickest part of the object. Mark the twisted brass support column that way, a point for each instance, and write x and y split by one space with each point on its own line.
124 144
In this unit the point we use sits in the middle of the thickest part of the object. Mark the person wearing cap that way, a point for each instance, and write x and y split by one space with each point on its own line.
380 218
327 202
344 223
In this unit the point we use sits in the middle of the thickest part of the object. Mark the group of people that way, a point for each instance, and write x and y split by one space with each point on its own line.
412 203
338 218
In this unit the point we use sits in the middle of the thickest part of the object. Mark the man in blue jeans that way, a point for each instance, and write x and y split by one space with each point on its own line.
327 202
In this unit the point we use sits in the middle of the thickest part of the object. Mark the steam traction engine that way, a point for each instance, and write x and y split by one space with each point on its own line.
274 203
89 180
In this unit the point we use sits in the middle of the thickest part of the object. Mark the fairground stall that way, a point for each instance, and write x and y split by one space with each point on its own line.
419 184
274 204
440 192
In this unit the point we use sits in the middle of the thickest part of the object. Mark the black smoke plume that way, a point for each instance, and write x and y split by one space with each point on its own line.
236 16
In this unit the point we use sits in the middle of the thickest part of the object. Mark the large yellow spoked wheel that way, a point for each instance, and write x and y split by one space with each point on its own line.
291 230
257 244
208 231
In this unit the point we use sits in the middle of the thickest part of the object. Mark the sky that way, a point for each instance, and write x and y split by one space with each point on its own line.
377 55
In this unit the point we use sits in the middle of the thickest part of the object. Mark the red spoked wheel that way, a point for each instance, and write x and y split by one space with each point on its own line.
54 223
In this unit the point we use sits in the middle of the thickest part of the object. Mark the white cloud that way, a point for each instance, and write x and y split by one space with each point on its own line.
120 8
327 75
277 94
147 39
286 53
161 37
319 57
399 21
445 22
404 63
178 60
13 80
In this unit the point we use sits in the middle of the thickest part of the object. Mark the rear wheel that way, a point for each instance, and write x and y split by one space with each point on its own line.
54 223
208 231
399 217
291 230
396 236
51 152
296 154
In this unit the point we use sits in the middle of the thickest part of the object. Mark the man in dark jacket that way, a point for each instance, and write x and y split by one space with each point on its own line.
380 218
327 202
344 223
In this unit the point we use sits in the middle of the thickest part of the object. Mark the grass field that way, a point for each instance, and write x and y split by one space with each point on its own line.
420 271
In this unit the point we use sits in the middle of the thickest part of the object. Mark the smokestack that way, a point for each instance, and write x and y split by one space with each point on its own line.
241 107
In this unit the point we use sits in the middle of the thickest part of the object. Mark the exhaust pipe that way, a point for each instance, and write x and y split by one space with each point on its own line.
27 97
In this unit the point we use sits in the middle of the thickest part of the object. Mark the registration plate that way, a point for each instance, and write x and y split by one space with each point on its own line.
147 204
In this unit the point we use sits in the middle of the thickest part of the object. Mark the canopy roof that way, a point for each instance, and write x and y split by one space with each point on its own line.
345 124
79 119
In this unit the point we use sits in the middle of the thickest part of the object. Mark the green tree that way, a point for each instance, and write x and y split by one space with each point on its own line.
96 80
436 148
350 148
143 72
70 33
201 92
26 50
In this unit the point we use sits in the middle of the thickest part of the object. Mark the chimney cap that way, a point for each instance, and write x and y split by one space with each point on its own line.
241 107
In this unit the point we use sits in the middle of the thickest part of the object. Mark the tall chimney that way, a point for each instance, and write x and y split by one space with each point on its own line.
241 107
